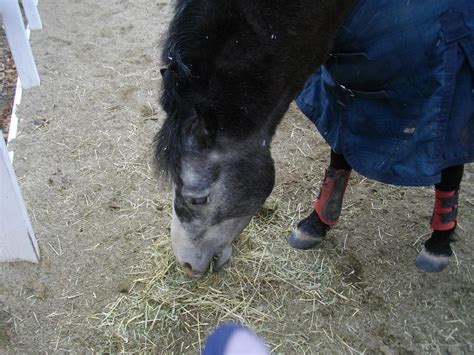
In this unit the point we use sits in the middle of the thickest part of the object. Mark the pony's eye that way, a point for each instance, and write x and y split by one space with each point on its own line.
200 200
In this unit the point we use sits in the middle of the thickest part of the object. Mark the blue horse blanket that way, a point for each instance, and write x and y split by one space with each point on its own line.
396 96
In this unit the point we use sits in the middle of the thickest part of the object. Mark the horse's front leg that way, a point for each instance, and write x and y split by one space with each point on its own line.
327 208
436 252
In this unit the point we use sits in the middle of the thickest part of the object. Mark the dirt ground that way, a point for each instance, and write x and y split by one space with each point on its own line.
83 160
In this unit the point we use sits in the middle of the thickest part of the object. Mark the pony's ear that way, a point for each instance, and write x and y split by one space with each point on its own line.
206 125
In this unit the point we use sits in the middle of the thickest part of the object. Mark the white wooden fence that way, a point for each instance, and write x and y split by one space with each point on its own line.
17 239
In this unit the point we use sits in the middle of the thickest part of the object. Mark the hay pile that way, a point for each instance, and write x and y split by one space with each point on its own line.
279 292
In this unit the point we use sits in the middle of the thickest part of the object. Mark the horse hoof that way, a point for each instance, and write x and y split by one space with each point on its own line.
429 262
301 240
309 233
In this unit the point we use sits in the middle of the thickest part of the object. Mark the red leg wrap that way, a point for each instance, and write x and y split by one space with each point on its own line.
445 210
328 205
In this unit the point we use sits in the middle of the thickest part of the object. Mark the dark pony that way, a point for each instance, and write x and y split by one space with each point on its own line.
231 69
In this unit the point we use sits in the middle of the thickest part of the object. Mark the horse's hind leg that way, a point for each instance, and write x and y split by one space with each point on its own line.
327 207
436 252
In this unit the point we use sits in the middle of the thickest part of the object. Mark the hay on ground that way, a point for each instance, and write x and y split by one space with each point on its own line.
263 286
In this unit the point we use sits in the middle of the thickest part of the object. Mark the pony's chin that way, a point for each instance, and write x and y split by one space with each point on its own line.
222 258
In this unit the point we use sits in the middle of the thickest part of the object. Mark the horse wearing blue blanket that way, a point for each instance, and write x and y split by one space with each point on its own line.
389 85
395 101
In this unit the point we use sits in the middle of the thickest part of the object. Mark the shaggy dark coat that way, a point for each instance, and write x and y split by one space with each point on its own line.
234 66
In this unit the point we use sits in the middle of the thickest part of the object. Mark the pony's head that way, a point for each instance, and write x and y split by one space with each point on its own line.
219 185
219 182
231 70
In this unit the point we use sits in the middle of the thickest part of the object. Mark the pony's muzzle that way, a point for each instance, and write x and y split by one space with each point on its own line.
218 262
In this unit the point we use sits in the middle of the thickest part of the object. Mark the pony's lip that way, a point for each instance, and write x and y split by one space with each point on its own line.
196 275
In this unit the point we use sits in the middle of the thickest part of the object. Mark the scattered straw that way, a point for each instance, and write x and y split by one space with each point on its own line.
263 287
359 292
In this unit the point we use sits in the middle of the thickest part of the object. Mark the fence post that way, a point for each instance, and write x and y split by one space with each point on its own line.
19 44
17 239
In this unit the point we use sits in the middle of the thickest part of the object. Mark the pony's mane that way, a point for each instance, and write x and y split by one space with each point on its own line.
186 54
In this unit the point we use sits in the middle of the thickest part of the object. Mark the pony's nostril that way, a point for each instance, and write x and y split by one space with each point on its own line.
188 268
